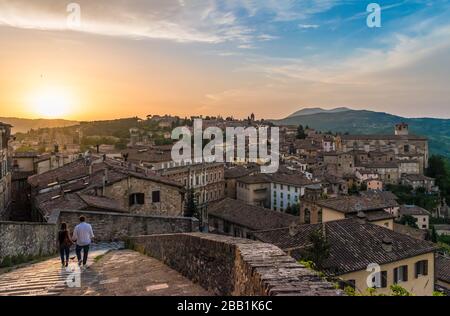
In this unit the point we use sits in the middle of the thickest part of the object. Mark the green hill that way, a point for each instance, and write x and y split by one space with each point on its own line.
21 125
368 122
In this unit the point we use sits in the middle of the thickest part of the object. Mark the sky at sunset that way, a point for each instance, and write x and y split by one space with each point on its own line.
228 57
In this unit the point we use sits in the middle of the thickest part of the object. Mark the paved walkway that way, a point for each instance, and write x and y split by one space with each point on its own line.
129 273
47 278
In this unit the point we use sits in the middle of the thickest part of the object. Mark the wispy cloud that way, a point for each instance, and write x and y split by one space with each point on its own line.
410 73
308 26
207 21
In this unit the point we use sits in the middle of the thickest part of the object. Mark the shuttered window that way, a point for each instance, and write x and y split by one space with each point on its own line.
421 268
401 274
383 279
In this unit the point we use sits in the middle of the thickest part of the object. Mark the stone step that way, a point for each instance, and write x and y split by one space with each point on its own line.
38 277
30 283
27 293
43 294
32 288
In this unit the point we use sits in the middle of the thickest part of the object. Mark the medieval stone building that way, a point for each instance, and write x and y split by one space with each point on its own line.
402 144
105 185
5 172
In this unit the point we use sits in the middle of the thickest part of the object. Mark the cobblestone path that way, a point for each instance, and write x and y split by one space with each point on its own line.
129 273
47 278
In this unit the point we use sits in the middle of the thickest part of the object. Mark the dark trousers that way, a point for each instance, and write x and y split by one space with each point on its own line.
85 253
64 252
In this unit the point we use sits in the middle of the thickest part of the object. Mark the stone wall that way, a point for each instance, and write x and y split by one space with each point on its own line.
232 266
26 240
171 198
113 226
5 194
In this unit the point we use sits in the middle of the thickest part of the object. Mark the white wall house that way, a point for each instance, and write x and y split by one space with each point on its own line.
328 145
283 196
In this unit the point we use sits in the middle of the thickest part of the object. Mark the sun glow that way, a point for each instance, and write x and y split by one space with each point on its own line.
51 103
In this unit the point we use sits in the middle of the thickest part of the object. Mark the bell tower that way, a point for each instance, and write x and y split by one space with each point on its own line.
401 129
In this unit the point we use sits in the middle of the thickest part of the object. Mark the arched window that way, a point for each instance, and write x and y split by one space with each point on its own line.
307 216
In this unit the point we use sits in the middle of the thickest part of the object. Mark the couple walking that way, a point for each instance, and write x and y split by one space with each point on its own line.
82 236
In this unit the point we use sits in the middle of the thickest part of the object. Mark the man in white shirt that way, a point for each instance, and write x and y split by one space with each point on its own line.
82 235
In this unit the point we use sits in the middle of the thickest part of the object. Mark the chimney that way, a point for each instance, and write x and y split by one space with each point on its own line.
387 244
105 176
361 217
105 181
61 190
98 148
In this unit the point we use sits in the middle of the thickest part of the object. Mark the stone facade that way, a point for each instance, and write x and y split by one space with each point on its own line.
388 172
234 267
419 181
205 179
26 240
253 193
402 144
339 163
230 188
5 196
170 201
310 212
5 172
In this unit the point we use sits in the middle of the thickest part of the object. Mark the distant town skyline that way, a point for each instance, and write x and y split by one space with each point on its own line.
215 57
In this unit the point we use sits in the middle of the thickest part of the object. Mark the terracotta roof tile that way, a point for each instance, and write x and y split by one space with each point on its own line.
353 245
443 268
252 217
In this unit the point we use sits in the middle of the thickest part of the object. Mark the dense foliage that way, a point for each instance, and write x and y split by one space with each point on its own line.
439 169
409 220
293 210
318 251
407 195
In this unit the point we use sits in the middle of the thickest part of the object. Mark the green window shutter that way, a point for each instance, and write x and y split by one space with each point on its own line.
383 279
395 275
405 273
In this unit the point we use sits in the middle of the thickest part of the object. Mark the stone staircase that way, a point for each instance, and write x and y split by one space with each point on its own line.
48 278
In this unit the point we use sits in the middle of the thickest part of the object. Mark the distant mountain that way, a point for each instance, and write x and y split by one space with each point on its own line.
21 125
369 122
311 111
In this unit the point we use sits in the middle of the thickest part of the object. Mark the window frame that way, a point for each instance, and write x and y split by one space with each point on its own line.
136 199
158 198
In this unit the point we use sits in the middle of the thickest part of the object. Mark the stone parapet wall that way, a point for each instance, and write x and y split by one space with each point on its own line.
232 266
20 241
114 226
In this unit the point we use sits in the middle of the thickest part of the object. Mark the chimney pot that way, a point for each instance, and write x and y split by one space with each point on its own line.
362 217
387 244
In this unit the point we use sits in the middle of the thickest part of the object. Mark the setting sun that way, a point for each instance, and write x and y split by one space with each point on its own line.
52 102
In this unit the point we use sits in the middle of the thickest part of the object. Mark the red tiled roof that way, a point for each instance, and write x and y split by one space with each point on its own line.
353 245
